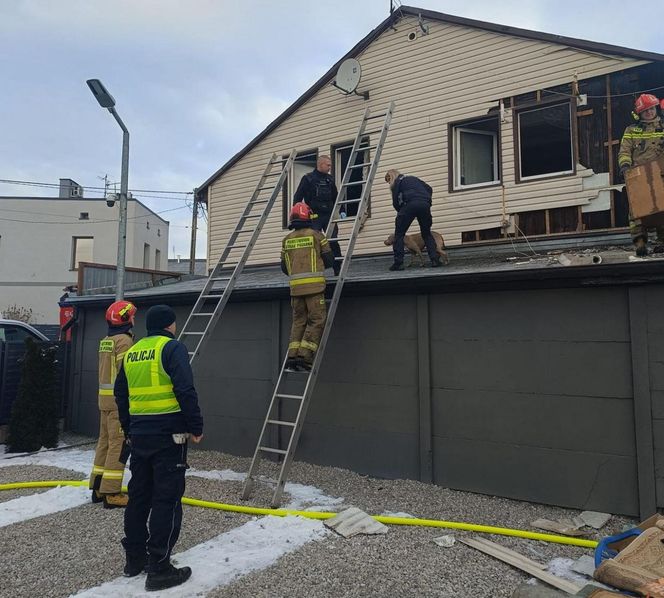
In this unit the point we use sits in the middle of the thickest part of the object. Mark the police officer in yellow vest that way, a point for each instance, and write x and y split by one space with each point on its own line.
158 406
642 143
112 451
305 254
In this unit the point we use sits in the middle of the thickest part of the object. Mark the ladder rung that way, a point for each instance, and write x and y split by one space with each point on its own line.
346 219
376 116
203 313
267 449
276 422
340 258
193 333
361 165
350 201
253 203
279 161
283 396
354 183
273 174
371 133
339 238
221 278
211 296
192 352
236 246
252 216
240 231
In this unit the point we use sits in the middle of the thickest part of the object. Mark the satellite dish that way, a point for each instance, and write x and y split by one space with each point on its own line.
348 78
348 75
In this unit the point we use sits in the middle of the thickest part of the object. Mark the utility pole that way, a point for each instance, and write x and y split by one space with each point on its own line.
194 228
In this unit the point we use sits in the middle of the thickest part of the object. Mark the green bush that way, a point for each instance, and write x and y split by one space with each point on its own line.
34 416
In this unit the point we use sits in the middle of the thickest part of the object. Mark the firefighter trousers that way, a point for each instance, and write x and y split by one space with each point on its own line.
309 315
111 454
156 487
639 231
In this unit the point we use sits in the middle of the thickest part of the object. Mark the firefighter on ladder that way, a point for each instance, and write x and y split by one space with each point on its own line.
112 452
305 254
642 143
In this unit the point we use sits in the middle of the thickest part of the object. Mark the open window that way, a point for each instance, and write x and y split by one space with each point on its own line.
304 163
475 154
81 250
544 141
341 153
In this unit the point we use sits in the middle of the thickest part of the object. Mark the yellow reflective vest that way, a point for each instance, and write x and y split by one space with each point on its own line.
301 251
150 387
641 143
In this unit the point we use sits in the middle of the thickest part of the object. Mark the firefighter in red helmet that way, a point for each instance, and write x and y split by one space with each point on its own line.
642 143
305 253
112 451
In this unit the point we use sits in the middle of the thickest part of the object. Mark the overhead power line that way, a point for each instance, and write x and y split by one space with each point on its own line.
86 221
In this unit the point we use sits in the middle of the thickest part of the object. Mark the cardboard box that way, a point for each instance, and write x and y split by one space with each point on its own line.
645 191
644 525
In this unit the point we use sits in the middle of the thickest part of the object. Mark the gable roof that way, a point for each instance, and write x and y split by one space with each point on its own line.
404 11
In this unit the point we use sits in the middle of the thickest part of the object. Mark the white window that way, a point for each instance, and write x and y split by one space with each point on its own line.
303 164
146 255
81 250
341 156
157 259
475 154
545 141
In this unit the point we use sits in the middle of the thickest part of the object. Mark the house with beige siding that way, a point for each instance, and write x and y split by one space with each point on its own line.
516 131
528 379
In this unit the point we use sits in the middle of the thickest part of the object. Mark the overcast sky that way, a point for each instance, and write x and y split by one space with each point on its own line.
195 80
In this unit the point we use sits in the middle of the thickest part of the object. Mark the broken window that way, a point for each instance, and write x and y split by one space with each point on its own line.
545 141
81 250
341 157
475 153
303 164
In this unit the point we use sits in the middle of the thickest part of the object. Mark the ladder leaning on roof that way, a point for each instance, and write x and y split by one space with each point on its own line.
296 388
211 302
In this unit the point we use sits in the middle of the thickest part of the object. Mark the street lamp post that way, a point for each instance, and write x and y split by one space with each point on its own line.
106 100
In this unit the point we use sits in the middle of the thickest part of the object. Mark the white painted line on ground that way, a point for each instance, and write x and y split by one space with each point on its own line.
45 503
218 562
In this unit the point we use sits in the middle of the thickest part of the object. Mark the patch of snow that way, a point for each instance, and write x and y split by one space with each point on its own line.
45 503
4 455
303 498
74 459
255 545
562 567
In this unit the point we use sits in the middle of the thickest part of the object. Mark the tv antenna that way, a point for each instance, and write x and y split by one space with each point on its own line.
348 78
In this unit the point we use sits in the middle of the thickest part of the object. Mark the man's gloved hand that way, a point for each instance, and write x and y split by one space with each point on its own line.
623 169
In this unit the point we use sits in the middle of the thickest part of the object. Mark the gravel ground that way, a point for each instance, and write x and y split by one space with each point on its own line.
79 548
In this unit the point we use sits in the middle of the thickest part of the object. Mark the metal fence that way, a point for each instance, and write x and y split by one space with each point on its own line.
100 279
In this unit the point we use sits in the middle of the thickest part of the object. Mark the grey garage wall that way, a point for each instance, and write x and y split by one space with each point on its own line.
526 393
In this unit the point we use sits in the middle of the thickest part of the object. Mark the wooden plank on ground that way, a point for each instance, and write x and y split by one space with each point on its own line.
520 562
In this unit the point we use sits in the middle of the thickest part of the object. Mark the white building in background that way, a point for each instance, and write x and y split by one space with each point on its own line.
42 240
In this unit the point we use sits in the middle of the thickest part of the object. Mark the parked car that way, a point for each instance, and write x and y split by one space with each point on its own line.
13 330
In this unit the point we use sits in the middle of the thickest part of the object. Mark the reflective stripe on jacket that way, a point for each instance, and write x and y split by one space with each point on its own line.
111 352
641 143
301 251
150 387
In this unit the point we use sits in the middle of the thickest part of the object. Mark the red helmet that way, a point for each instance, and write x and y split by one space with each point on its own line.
645 101
120 313
300 211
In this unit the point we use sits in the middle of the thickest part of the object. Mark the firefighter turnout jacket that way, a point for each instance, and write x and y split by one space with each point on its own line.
155 390
112 350
641 143
305 253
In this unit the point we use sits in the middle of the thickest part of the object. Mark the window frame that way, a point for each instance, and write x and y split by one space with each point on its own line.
516 129
286 196
73 264
146 254
334 148
452 149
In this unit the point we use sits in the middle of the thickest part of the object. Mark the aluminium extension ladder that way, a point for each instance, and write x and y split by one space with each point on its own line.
292 393
212 300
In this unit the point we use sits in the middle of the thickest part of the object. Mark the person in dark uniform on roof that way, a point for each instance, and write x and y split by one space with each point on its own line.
411 198
318 191
158 406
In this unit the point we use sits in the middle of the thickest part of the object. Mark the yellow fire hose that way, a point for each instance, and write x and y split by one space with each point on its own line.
471 527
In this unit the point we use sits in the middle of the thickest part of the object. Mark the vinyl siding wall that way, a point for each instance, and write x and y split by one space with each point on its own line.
451 74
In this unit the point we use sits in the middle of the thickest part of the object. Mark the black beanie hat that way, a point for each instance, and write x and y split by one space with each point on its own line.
159 317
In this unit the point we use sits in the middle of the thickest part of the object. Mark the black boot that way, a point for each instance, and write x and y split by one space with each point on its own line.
96 497
167 578
135 565
396 266
436 263
291 365
641 247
